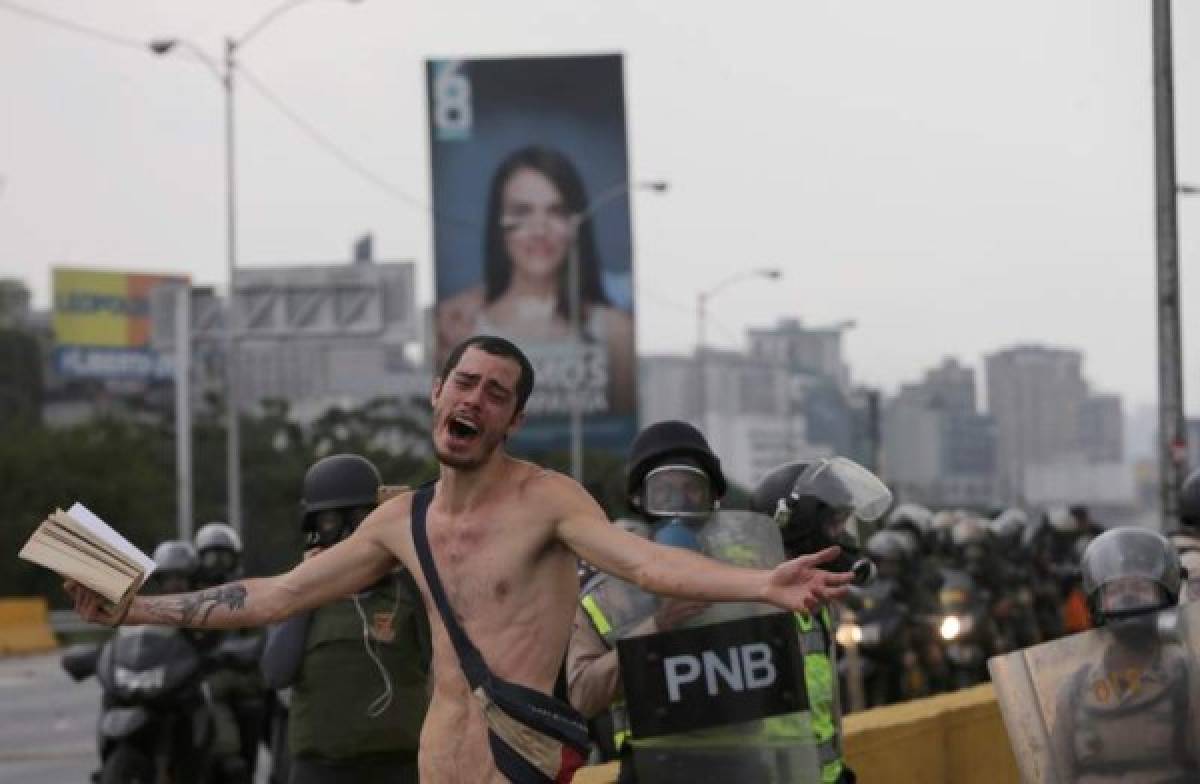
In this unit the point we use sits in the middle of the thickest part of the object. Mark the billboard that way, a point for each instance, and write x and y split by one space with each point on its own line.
102 324
522 151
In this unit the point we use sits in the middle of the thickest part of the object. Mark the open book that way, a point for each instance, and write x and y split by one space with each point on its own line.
80 546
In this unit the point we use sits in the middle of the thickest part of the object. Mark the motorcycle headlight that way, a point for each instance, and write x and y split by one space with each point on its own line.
849 634
951 627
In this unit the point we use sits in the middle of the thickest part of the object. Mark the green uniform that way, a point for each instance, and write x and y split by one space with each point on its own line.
338 683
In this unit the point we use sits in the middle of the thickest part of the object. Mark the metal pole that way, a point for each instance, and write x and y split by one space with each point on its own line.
232 402
1171 432
702 376
183 408
573 275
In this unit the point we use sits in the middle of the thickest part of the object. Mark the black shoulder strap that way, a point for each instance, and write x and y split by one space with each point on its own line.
469 657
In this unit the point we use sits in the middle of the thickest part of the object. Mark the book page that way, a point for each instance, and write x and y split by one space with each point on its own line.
105 533
74 541
63 523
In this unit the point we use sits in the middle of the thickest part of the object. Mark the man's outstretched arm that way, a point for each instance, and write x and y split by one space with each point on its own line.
797 585
345 568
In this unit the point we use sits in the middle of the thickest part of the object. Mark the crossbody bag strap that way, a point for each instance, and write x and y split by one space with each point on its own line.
469 657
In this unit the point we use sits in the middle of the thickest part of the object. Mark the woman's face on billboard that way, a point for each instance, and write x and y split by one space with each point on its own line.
536 223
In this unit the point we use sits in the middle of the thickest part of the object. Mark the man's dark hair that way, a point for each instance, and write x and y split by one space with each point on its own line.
497 347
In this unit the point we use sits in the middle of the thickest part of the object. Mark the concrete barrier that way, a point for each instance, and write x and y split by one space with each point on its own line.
954 738
25 627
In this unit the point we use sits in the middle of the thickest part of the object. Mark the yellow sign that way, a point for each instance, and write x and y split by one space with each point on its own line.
103 308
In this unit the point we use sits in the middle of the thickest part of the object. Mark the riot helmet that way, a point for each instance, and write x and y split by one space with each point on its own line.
915 519
892 551
812 500
972 547
219 549
175 563
941 524
672 472
1129 572
1061 520
1009 526
1189 501
339 492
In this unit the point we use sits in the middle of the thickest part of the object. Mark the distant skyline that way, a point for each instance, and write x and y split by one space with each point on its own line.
955 179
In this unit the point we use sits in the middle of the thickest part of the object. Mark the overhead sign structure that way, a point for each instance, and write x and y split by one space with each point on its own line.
102 324
345 300
530 171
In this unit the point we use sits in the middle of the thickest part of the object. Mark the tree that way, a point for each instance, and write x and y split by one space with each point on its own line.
20 379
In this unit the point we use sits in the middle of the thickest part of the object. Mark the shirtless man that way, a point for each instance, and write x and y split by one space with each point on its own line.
505 535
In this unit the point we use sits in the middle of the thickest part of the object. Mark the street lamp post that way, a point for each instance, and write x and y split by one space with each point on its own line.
575 307
770 273
225 76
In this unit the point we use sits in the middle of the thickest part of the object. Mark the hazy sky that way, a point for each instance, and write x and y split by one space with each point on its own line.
957 177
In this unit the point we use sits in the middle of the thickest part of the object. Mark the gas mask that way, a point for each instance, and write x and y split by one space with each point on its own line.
1138 633
330 526
218 565
678 491
680 497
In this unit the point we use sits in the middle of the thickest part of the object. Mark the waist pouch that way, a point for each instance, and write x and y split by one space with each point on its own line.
534 738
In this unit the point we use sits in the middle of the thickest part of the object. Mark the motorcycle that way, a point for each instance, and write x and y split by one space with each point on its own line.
965 628
877 627
156 722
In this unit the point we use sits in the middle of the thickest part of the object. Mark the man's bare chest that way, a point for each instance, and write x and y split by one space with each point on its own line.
483 560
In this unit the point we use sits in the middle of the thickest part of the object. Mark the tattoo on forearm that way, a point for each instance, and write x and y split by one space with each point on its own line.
194 609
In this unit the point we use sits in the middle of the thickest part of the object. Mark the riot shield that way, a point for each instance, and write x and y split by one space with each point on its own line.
741 538
622 606
724 697
1114 704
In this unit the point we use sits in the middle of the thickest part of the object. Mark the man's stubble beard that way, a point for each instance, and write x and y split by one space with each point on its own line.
466 463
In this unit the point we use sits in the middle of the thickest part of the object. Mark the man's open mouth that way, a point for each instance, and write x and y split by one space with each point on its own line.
460 427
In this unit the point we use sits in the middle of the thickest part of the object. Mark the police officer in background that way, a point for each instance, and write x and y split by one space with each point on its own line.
687 484
239 696
1129 713
175 564
1187 538
358 667
813 500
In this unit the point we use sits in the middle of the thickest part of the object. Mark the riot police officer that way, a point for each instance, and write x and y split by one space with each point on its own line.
1129 712
916 522
175 564
1187 538
813 501
357 668
219 554
672 479
239 696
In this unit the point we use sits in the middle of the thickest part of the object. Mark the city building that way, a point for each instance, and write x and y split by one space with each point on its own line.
814 350
787 396
1035 395
1057 442
1102 429
938 450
